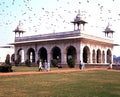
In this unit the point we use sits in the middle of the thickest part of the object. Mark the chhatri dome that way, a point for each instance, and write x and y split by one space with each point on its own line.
108 32
78 21
19 29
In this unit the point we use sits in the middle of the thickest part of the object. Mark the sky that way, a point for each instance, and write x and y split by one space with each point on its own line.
48 16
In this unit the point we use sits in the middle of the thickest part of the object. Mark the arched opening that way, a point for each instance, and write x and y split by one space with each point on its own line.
56 54
42 53
93 56
31 55
71 55
98 56
86 54
13 57
109 56
20 55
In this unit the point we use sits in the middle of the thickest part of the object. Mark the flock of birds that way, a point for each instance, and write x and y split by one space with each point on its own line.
50 19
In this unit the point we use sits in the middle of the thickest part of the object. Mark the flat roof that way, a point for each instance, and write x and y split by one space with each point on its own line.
60 36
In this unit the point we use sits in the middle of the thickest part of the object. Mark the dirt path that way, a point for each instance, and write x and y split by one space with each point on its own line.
54 71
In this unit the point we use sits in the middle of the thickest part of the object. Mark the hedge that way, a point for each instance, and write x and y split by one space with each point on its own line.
6 68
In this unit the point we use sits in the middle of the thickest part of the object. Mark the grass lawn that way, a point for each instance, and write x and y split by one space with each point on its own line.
74 84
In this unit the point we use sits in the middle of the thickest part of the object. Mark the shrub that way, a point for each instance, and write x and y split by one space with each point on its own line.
54 62
71 63
28 63
7 60
17 62
6 68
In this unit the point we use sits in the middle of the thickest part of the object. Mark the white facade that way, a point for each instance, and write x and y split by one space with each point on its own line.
64 45
4 51
87 48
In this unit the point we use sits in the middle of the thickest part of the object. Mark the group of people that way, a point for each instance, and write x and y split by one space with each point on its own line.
46 66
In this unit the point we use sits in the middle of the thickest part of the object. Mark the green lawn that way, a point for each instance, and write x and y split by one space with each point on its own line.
77 84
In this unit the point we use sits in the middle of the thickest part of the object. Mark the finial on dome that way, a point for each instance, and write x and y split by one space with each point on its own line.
108 26
19 29
77 18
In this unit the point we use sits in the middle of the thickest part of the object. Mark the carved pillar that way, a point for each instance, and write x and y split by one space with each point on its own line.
91 57
78 57
63 55
36 56
25 54
64 58
36 53
49 57
105 57
81 52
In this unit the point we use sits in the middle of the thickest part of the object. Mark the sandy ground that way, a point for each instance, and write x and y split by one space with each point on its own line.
54 71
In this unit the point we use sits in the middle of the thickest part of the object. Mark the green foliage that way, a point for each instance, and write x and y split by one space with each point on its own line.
28 63
7 60
71 63
54 62
6 68
16 62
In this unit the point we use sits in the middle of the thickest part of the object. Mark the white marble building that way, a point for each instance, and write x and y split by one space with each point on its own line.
63 45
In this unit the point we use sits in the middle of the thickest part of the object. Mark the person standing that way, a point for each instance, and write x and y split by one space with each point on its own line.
46 65
110 66
80 65
40 66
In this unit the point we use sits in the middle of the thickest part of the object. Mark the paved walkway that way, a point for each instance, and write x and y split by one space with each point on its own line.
54 71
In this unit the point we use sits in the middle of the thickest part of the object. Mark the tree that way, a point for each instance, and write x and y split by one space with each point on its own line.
7 60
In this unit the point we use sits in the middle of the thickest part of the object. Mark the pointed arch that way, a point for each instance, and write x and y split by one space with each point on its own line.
31 54
71 53
86 54
20 55
98 56
109 56
42 54
56 53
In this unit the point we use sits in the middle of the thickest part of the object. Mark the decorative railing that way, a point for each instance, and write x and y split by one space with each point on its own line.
62 35
48 36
